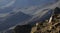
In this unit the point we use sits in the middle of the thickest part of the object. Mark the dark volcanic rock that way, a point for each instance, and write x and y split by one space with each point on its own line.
57 10
23 29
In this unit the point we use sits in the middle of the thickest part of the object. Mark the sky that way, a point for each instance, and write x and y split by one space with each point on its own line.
22 3
6 3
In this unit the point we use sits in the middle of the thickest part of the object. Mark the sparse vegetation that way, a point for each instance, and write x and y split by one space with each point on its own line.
43 27
52 27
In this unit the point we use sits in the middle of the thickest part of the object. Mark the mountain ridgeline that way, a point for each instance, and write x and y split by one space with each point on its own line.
13 20
23 18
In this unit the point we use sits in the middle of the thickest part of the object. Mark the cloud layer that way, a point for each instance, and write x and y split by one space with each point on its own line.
8 4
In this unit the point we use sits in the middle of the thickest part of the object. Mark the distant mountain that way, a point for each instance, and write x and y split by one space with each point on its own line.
13 20
42 17
25 12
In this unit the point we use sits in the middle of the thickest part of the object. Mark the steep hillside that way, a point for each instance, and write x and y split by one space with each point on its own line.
13 20
26 12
